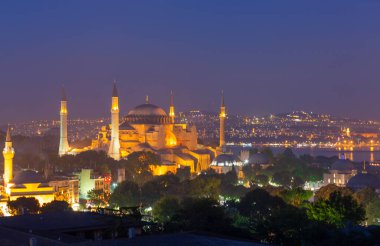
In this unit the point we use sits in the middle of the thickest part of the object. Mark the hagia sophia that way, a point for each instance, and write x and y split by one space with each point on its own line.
148 127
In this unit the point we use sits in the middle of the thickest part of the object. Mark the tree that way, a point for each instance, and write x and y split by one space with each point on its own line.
183 173
273 190
306 158
288 154
261 179
233 192
251 172
286 226
202 214
204 186
267 151
165 209
137 166
325 192
365 196
98 197
55 206
339 210
126 194
283 178
296 197
258 204
160 186
369 199
24 205
230 177
373 212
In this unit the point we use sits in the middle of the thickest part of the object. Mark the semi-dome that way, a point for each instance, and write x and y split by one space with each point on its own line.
363 180
147 109
147 114
28 177
126 126
343 165
226 160
258 159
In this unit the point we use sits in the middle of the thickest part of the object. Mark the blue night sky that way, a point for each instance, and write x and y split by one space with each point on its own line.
268 56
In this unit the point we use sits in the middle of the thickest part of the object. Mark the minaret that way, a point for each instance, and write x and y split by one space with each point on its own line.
8 154
222 117
114 150
171 109
63 142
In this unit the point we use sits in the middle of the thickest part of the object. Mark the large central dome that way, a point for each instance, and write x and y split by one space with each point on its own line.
147 109
147 114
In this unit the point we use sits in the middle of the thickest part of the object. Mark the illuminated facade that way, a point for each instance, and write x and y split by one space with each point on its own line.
147 127
114 149
224 163
63 141
8 154
163 168
222 118
171 109
340 173
88 180
66 188
29 183
25 183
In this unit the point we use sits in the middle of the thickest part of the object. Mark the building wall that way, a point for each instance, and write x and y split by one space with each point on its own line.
204 160
337 178
185 162
158 170
66 190
186 136
42 194
86 183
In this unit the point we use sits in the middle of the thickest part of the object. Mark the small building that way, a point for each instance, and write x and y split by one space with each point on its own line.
340 173
89 180
66 188
224 163
29 183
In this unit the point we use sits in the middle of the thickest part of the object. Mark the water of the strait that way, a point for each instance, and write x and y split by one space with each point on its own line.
357 155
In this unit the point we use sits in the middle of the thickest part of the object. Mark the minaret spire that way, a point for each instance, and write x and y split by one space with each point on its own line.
8 154
171 109
114 149
63 141
222 117
222 104
114 90
63 94
8 137
146 99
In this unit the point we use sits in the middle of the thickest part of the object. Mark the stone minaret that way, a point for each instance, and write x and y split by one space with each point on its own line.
63 142
8 154
114 150
222 117
171 109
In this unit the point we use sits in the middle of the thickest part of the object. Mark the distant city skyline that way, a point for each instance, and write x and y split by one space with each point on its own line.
268 57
